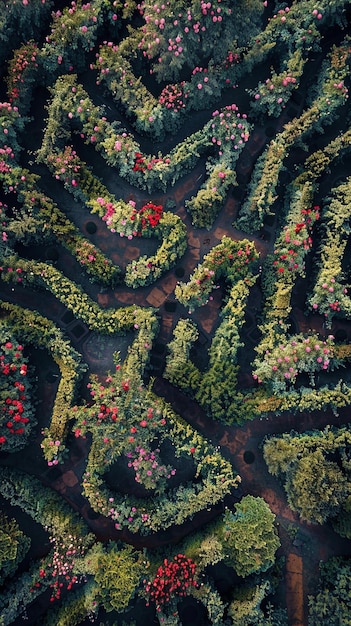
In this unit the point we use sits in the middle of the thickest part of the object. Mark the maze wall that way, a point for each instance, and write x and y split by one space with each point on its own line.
175 199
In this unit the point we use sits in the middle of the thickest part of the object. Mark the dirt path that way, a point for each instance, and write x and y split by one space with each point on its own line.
314 543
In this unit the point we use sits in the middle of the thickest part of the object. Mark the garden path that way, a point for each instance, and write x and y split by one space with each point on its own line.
312 543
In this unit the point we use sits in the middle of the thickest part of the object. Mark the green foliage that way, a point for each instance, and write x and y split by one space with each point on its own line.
211 599
264 181
179 369
75 607
316 468
331 606
249 537
245 606
316 487
13 546
329 296
117 573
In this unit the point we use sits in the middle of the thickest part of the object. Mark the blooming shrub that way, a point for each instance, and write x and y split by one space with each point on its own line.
173 97
21 75
65 166
322 112
281 365
172 232
173 578
149 472
58 571
271 96
17 414
150 215
96 264
330 293
74 28
294 242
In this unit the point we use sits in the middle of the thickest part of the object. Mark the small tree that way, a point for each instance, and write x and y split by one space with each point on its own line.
249 537
117 572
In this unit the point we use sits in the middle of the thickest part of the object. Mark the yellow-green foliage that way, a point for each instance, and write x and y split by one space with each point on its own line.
117 573
317 485
249 536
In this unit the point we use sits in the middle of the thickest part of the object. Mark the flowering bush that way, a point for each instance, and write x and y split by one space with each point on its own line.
65 166
17 415
294 242
330 294
74 29
57 572
96 264
173 97
143 163
228 131
21 75
125 417
281 365
271 96
122 411
150 215
11 123
322 112
21 20
173 578
72 105
40 219
149 472
172 231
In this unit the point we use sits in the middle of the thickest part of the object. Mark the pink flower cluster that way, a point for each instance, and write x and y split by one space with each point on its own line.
24 59
228 128
330 296
300 354
172 96
148 470
65 165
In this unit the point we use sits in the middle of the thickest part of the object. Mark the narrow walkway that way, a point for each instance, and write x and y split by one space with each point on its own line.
301 566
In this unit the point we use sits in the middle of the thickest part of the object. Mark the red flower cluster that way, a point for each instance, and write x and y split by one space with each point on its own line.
22 60
150 215
173 578
12 367
295 242
107 412
232 57
141 163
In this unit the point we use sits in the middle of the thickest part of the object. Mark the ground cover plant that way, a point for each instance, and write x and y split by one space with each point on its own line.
174 312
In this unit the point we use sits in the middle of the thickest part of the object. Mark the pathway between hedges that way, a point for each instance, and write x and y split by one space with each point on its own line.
313 543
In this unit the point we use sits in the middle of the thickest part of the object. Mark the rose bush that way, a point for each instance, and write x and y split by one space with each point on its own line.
17 415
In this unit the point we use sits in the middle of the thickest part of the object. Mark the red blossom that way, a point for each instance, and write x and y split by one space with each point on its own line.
173 578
